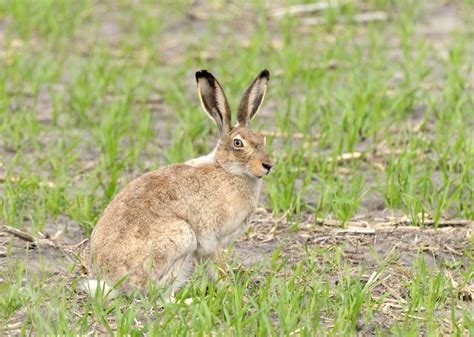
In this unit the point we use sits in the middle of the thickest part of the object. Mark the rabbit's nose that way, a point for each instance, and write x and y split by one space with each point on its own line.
267 167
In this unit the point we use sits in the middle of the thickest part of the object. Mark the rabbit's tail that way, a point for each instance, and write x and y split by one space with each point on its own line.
95 288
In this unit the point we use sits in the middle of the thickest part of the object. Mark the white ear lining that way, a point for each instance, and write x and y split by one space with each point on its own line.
253 96
253 93
220 101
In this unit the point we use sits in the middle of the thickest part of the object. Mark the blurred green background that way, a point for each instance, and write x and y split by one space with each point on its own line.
93 93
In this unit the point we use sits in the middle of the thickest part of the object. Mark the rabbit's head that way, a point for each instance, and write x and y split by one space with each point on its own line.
239 151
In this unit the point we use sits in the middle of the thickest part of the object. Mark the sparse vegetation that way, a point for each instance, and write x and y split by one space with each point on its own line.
370 118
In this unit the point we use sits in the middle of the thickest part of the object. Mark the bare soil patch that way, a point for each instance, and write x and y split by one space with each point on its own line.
364 246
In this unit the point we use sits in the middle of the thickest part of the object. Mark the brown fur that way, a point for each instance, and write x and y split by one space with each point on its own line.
167 220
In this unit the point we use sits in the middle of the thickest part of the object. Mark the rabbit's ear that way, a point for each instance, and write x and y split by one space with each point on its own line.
213 100
252 98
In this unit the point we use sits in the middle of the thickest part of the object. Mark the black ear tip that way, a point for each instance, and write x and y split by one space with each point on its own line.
265 73
200 74
203 74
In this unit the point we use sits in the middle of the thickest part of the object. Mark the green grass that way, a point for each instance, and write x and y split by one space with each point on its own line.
94 94
278 300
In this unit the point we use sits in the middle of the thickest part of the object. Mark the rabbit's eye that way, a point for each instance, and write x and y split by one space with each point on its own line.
238 143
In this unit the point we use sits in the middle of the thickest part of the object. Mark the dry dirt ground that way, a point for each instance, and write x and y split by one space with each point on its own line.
365 241
390 242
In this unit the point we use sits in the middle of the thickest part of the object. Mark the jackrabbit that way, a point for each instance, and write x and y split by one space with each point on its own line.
164 222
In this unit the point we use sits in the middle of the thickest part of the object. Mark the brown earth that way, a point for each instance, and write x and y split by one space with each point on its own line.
365 242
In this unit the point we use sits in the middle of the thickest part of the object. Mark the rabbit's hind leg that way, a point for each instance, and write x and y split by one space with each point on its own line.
180 273
172 262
